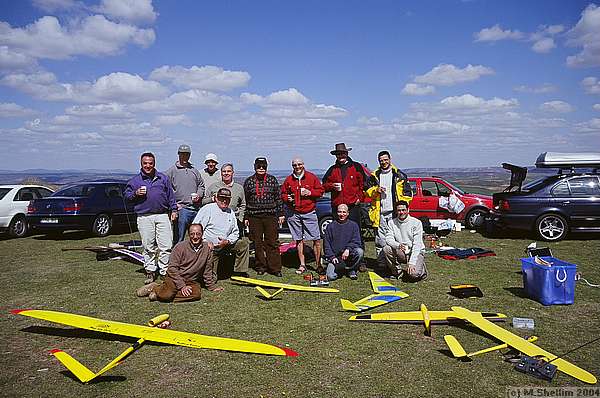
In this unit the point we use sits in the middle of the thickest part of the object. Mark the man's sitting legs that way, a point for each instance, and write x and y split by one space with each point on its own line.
397 263
348 266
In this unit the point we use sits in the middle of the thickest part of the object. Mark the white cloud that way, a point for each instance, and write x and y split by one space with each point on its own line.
136 11
373 121
437 127
115 87
591 126
205 78
596 107
417 89
591 85
14 61
586 34
186 101
10 109
543 89
248 121
543 45
172 120
556 107
290 97
496 33
319 111
468 101
251 99
450 75
112 110
94 35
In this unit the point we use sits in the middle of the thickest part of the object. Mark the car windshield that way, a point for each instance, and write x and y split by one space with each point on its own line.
77 190
3 192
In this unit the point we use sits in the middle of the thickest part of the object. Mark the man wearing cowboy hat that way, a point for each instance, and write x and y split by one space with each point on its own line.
346 180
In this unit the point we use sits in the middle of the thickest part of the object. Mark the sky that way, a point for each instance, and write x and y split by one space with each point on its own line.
93 84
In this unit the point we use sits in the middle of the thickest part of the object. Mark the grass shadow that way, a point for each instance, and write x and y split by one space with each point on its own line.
86 334
517 291
99 379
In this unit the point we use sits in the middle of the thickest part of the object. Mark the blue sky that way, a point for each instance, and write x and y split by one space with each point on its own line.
92 84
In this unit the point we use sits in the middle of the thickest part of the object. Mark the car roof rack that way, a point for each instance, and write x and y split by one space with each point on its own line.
569 161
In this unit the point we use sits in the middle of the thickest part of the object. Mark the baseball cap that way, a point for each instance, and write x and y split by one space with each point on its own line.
184 148
211 156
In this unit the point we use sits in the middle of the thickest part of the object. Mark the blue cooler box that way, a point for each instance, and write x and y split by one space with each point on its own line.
549 285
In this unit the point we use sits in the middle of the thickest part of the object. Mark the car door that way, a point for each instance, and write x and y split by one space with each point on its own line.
584 203
114 203
432 191
21 200
417 206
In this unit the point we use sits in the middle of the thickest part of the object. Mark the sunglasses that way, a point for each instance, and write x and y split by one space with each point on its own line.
297 164
260 167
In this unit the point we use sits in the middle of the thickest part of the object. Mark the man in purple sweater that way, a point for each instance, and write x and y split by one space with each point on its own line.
343 247
155 206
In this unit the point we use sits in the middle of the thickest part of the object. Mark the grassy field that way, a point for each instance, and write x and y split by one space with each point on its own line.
337 358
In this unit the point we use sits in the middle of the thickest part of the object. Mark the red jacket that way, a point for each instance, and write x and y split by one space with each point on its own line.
302 204
353 183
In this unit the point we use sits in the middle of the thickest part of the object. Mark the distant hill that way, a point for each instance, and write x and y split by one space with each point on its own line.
474 179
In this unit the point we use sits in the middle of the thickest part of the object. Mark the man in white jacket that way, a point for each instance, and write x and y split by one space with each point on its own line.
404 246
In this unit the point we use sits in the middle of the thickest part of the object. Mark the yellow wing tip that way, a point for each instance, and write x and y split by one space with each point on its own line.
74 366
455 347
348 306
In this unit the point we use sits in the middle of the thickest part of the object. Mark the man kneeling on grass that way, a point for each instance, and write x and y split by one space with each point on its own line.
404 246
189 260
342 243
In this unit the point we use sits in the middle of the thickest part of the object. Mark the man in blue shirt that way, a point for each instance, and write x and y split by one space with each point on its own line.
155 206
343 246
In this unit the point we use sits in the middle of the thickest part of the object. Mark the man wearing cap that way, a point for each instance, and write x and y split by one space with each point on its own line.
300 192
154 199
210 174
220 228
346 180
264 211
238 205
189 187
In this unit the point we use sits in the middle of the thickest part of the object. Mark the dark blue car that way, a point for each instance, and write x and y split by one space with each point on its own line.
98 207
551 206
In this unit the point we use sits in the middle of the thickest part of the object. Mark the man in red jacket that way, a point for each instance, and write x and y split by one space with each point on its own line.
300 192
346 180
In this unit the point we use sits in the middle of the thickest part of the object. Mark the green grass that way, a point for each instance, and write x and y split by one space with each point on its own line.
337 358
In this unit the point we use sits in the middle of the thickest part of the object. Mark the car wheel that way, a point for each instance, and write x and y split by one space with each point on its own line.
101 226
551 227
475 218
323 223
18 227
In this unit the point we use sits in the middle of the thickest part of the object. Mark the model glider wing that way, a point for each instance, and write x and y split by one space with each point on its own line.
416 317
523 345
165 336
380 285
459 352
285 286
372 301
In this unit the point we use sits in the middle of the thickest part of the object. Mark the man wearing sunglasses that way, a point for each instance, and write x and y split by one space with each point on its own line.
264 212
300 192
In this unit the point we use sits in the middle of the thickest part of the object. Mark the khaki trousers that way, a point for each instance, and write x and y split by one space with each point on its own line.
167 292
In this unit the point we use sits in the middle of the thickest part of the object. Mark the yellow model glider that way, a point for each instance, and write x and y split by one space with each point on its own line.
459 352
423 316
259 284
385 293
143 333
523 345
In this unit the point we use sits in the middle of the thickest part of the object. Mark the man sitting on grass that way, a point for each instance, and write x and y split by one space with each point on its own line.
189 259
404 246
342 243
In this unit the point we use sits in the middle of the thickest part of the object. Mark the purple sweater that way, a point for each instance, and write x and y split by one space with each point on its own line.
159 197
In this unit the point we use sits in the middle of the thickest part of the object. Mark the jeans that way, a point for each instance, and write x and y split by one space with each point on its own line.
334 271
184 219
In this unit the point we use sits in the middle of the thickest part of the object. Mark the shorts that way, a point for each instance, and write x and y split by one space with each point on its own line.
304 226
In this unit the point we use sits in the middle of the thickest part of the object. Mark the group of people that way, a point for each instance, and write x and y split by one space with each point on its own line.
221 216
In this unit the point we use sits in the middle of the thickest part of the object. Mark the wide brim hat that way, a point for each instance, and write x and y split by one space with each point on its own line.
339 148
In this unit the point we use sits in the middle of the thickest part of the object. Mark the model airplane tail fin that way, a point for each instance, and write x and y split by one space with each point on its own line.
266 294
426 319
348 306
77 368
457 350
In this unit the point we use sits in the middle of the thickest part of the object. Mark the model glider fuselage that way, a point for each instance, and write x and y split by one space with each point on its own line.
284 286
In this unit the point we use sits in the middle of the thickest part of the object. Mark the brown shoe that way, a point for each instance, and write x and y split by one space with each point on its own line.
153 296
150 277
146 289
362 268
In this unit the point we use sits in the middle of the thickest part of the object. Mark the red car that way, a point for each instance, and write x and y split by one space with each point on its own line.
426 201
